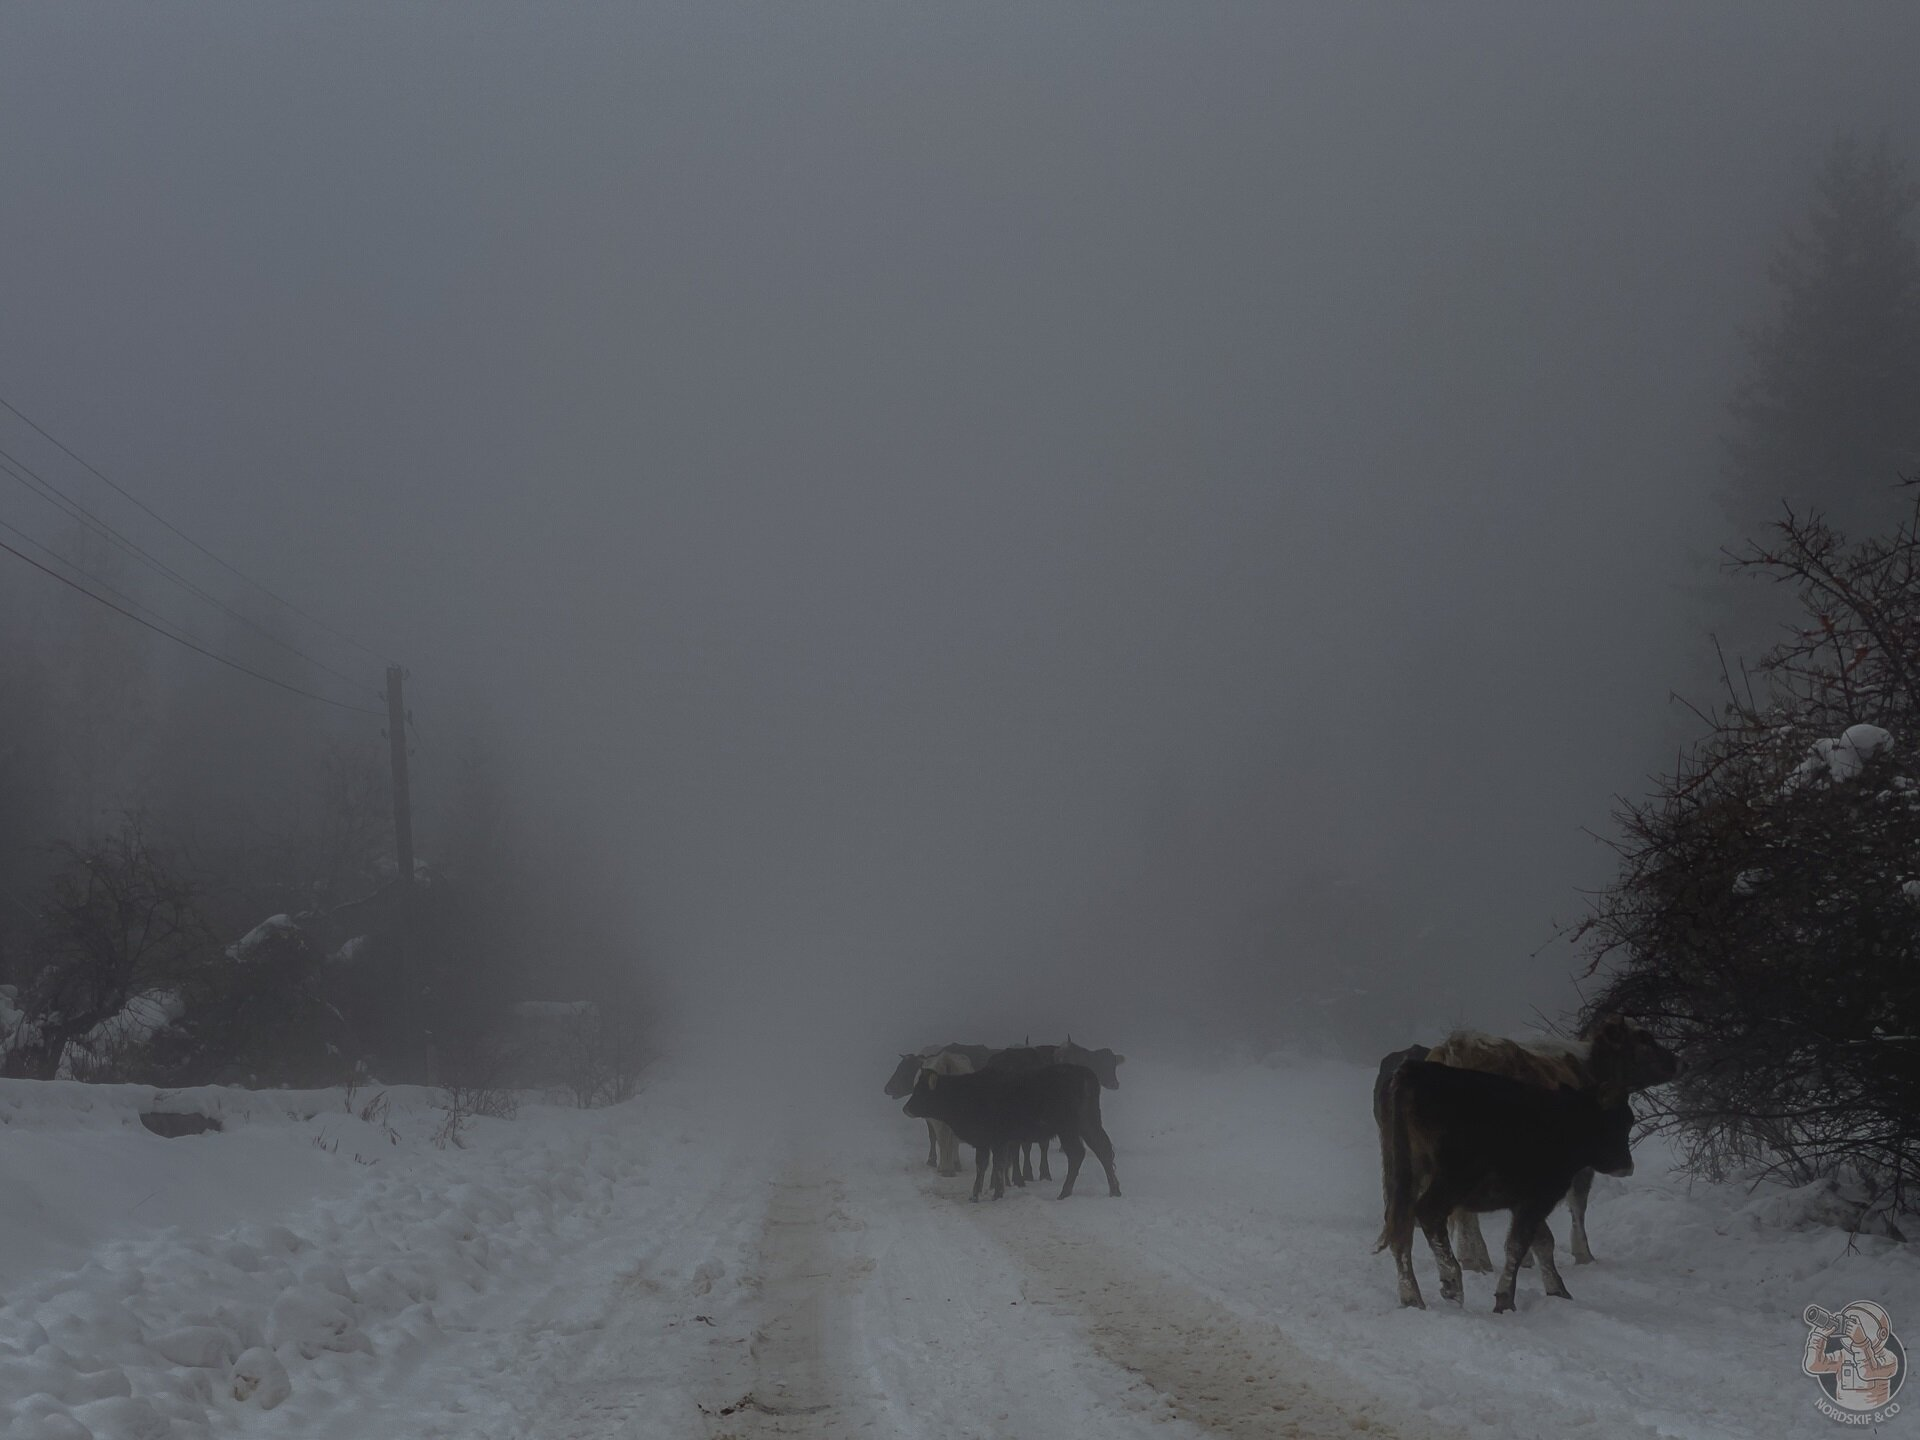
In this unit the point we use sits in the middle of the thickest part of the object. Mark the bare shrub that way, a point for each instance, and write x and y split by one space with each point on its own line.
605 1054
1766 918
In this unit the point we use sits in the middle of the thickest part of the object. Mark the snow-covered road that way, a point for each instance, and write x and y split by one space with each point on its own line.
691 1266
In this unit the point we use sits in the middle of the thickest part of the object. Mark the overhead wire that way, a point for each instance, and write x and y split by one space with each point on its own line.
59 559
182 640
148 510
25 475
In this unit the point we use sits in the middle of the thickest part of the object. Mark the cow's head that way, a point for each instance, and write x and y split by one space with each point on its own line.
1621 1053
901 1080
1607 1126
1103 1062
923 1103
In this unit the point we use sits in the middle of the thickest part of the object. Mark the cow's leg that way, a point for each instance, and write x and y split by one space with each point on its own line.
1045 1173
949 1150
1469 1244
1011 1165
982 1157
1026 1163
1403 1266
1002 1155
1527 1220
933 1146
1430 1213
1076 1152
1543 1256
1577 1208
1102 1147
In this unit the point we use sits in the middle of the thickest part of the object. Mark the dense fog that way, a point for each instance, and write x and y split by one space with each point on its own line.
949 523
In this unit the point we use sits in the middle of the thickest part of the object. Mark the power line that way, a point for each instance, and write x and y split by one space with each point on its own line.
33 480
182 640
155 515
59 559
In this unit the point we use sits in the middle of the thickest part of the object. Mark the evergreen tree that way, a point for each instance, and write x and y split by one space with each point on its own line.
1828 418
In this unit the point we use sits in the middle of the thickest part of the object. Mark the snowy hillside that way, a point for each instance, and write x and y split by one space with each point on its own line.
685 1265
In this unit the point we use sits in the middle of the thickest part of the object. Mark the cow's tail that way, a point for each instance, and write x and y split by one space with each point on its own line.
1396 1159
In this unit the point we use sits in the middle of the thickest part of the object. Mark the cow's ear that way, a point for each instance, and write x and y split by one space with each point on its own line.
1119 1059
932 1077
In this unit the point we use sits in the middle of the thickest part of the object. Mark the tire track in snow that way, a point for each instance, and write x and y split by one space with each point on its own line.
1228 1375
800 1383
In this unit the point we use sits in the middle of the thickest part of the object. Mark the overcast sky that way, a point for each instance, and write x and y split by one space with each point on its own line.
1139 518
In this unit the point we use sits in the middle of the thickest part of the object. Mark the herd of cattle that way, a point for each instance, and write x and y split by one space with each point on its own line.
1004 1102
1473 1124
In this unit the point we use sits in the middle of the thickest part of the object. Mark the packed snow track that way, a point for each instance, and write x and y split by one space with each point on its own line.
694 1264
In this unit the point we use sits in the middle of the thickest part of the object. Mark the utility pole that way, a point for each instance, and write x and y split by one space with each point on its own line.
415 1040
402 804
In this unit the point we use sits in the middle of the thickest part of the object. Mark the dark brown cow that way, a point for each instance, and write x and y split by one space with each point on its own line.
1616 1053
1465 1139
1380 1083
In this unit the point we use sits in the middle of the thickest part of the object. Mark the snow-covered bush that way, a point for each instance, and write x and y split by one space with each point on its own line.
121 920
1763 920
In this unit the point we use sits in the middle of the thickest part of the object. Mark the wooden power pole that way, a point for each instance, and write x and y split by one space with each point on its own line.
418 1039
397 746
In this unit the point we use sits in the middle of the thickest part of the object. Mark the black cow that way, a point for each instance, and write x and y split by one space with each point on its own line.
997 1111
1103 1062
1469 1140
900 1084
1024 1060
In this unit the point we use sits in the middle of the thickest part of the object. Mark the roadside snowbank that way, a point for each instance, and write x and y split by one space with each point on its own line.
161 1287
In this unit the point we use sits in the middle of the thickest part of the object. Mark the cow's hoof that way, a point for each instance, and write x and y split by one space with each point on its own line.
1583 1258
1559 1292
1502 1304
1478 1267
1413 1301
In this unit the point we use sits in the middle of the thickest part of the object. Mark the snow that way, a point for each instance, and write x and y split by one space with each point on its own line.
275 927
135 1024
1841 759
688 1264
350 951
